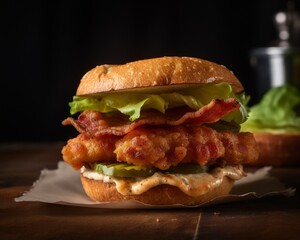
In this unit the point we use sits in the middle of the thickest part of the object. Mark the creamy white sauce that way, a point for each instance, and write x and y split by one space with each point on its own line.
191 184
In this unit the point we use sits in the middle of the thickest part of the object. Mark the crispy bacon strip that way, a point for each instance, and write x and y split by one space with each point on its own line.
95 124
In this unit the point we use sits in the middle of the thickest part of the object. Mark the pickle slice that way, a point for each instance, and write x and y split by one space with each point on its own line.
123 170
129 170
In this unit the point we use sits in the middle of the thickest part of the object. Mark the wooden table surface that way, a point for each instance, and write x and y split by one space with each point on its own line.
276 217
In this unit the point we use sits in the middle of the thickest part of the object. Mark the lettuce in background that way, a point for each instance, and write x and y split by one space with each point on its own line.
277 112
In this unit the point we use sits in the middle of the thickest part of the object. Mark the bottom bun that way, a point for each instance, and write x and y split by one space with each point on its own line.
159 195
278 149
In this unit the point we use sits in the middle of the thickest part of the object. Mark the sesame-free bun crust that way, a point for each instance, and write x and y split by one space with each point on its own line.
159 195
278 149
155 72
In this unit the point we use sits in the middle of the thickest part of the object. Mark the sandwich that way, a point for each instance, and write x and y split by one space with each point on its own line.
159 131
275 123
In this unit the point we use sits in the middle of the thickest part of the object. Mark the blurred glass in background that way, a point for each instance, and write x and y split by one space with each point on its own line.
279 63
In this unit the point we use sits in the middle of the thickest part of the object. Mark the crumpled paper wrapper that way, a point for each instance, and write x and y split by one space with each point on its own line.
63 186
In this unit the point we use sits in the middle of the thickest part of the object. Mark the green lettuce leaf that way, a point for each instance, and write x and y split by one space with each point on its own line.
131 103
276 112
128 105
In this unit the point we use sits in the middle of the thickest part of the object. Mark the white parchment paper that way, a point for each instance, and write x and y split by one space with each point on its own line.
63 186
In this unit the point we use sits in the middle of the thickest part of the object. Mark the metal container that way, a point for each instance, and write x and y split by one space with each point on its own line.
275 66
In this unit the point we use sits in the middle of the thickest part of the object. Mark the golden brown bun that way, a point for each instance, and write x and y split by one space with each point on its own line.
278 149
163 71
159 195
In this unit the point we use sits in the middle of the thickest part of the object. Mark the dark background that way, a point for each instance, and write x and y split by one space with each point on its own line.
47 46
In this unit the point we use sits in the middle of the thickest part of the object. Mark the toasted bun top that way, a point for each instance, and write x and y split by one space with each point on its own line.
155 72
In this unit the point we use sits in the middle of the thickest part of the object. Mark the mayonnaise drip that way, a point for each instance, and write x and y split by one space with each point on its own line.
192 184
